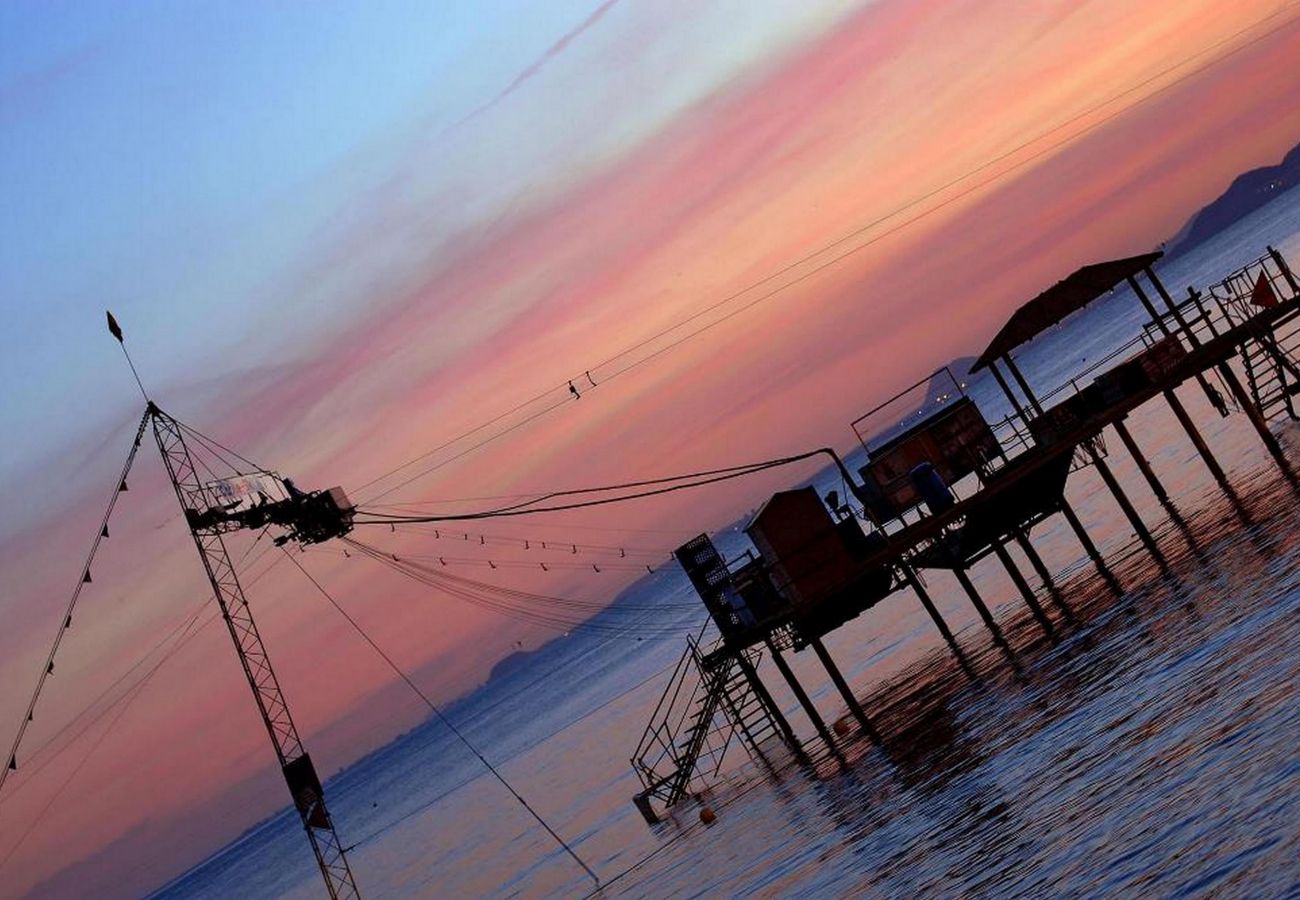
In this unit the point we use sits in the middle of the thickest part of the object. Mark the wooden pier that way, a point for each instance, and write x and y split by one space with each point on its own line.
819 566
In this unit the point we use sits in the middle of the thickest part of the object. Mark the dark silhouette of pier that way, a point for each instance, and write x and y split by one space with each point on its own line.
971 488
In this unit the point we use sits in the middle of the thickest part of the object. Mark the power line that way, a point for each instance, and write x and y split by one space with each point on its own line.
563 387
700 479
441 717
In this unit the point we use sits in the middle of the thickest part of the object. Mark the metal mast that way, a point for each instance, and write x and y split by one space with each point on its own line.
295 763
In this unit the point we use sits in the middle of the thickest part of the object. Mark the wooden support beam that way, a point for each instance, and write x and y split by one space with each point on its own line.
843 687
1173 307
1085 540
1195 296
1006 389
1044 574
1024 385
1156 318
1143 464
801 695
1285 270
976 600
1180 413
1023 586
1126 507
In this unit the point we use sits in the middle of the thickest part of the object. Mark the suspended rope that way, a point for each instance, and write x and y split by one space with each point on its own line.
547 545
65 623
401 673
40 751
668 485
561 614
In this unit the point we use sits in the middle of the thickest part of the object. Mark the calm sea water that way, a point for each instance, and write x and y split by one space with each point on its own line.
1151 750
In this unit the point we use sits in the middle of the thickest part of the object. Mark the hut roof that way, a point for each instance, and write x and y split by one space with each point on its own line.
1058 301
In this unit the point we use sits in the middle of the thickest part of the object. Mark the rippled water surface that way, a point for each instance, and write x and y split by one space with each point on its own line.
1147 746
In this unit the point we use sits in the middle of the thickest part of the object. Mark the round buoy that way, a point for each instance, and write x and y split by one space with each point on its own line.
841 727
707 815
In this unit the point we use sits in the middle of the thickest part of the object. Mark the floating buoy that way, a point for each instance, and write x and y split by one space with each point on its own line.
707 815
841 727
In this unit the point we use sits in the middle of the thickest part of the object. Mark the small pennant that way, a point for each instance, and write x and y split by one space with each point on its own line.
50 669
13 764
113 328
122 487
104 532
67 623
86 579
1263 294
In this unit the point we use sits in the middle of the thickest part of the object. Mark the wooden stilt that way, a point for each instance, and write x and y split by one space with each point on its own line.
843 687
923 595
1180 413
1126 507
1044 574
801 695
1085 540
976 600
1023 586
1143 464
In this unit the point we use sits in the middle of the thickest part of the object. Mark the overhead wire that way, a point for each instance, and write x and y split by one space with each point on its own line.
65 621
669 484
187 632
549 612
437 711
564 386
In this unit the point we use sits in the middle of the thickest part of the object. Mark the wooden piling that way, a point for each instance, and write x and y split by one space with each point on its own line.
843 687
976 600
1023 586
1180 413
1044 574
1127 508
1090 548
1143 464
801 695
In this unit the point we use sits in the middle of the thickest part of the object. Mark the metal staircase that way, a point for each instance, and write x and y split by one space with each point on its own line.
686 740
1271 359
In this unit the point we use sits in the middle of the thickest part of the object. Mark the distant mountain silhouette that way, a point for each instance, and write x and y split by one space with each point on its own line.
1246 194
508 665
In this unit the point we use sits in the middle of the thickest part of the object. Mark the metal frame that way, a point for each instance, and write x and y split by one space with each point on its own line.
295 763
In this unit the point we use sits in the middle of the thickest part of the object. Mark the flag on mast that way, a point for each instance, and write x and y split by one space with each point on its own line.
113 328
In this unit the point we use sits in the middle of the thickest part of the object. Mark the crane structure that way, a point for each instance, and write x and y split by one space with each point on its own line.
211 513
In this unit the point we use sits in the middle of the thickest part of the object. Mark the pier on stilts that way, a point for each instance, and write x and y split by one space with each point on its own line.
970 488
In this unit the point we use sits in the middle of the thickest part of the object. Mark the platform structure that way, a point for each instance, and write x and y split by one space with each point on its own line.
817 565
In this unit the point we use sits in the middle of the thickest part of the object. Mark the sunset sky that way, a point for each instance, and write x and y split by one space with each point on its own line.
339 235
